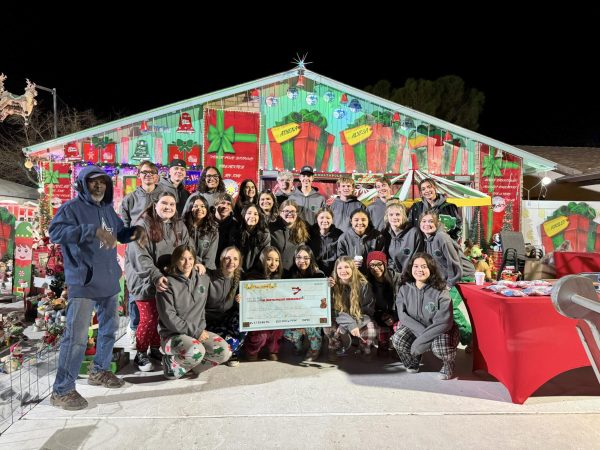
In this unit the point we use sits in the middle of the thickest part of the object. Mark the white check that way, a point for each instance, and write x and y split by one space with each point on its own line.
280 304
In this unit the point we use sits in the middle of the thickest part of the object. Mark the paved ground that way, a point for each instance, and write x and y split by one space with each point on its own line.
357 404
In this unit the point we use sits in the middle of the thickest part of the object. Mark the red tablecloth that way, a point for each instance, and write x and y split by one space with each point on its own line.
576 262
522 341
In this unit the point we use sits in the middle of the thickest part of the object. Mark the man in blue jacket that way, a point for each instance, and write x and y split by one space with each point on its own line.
88 228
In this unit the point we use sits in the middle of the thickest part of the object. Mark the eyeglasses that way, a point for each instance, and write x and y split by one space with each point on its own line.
302 258
376 265
146 173
214 177
289 212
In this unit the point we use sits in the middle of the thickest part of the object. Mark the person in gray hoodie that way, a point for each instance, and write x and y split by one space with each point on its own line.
436 202
323 240
222 310
452 264
345 204
181 319
144 266
307 198
360 239
202 228
175 183
425 312
377 208
353 306
401 239
211 184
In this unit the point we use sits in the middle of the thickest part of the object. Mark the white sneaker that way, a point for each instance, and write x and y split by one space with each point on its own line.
143 362
132 341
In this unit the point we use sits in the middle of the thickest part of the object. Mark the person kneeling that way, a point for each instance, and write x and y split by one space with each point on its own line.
425 313
181 319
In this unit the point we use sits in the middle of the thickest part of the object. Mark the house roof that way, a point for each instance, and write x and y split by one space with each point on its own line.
531 162
16 191
578 164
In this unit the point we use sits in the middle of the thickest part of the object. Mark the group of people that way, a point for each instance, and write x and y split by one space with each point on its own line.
392 274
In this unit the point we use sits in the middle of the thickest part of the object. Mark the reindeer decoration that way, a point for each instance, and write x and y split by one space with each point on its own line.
21 105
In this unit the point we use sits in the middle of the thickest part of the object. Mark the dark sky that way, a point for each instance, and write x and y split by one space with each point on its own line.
536 74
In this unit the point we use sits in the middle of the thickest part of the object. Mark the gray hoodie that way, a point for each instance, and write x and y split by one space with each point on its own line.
367 308
444 252
217 304
308 204
376 212
144 265
134 204
181 307
206 245
342 209
427 312
400 247
351 244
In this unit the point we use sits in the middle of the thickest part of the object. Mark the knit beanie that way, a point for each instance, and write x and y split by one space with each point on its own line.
376 256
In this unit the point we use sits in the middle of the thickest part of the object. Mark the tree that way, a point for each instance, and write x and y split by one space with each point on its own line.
15 135
446 98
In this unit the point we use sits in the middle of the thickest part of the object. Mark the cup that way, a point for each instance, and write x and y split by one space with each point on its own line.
358 260
479 278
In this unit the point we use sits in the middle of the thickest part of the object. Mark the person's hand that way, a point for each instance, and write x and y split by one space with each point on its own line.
200 268
238 298
203 336
106 237
358 264
139 235
331 282
162 284
355 332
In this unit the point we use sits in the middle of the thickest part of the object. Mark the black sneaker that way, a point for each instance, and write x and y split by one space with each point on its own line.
143 362
155 353
167 369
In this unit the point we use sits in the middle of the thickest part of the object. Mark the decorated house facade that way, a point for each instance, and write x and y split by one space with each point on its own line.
285 121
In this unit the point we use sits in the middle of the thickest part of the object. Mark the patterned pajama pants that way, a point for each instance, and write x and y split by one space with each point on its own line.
368 335
146 334
443 347
312 334
188 352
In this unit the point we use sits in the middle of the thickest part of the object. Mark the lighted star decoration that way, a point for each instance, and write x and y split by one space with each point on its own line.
300 61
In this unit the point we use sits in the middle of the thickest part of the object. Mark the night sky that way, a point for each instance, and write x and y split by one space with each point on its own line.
537 76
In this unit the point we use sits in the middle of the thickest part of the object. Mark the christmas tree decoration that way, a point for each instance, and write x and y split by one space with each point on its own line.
507 221
300 82
271 101
396 117
141 151
328 97
344 99
144 127
254 94
185 124
28 164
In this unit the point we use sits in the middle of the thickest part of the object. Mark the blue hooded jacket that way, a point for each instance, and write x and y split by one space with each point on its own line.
90 270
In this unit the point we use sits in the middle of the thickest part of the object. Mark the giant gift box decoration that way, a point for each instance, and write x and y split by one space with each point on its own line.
300 139
57 183
187 150
100 150
574 223
369 142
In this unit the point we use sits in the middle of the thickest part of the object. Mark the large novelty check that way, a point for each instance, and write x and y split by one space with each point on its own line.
279 304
